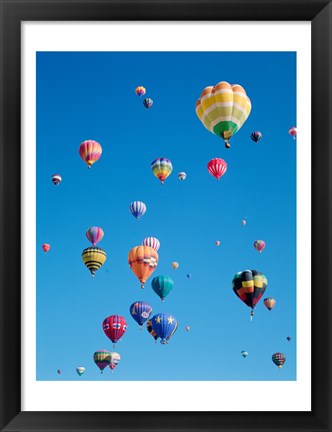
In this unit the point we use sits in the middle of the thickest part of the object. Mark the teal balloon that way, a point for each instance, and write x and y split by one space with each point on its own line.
162 286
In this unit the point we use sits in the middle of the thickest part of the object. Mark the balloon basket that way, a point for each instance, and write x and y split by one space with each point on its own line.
114 345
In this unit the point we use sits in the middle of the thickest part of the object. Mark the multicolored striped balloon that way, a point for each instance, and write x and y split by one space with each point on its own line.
94 235
148 103
143 261
93 257
102 358
90 151
217 167
249 286
46 247
151 242
259 245
292 131
137 209
279 359
223 109
256 136
56 179
140 91
182 175
269 303
161 168
80 370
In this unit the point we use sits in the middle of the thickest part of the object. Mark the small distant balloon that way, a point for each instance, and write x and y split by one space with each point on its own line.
94 235
59 371
244 222
244 354
188 276
46 247
187 328
256 136
292 131
217 243
279 359
115 360
140 91
137 209
56 179
175 265
182 176
269 303
90 151
148 103
151 242
259 245
289 338
80 370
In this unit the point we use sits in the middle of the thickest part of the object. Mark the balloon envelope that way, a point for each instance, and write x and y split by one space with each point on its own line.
137 209
161 168
151 242
140 91
46 247
148 103
269 303
102 358
143 260
164 325
94 235
115 359
80 370
182 176
217 167
90 151
140 311
256 136
56 179
114 326
278 359
259 245
162 285
93 257
249 286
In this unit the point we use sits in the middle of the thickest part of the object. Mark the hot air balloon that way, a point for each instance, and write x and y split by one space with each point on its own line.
259 245
187 328
102 358
90 151
288 338
114 327
217 167
249 286
188 276
93 257
140 311
46 247
217 243
292 131
164 324
148 103
182 176
244 222
162 286
161 168
59 371
115 360
175 265
140 91
80 370
151 331
256 136
244 354
151 242
94 235
223 109
56 179
143 260
137 209
279 359
269 303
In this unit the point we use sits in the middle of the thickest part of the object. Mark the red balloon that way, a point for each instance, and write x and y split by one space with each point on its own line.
217 167
46 247
114 326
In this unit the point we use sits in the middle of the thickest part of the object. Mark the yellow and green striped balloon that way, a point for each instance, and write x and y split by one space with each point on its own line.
223 109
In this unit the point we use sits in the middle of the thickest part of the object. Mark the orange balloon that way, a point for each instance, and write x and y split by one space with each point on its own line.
143 260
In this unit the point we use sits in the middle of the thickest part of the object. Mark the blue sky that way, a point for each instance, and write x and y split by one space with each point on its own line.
92 96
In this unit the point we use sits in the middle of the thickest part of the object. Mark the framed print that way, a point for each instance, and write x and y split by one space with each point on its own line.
165 215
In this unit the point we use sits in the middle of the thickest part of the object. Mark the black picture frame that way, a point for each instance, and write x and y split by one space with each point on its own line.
13 12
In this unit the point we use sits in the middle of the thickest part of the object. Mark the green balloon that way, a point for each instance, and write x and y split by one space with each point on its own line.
162 285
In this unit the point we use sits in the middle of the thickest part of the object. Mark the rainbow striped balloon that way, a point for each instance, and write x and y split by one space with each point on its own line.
94 235
161 168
